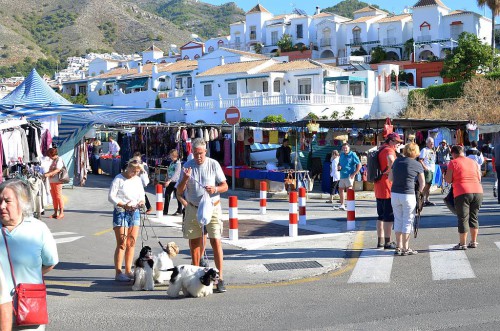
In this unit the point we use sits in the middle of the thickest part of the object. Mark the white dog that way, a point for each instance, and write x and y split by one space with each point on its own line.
192 280
163 262
143 272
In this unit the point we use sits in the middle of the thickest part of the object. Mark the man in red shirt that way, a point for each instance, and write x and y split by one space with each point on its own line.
382 188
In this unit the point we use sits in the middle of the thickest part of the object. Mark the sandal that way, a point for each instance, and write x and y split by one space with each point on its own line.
473 244
459 247
53 216
409 251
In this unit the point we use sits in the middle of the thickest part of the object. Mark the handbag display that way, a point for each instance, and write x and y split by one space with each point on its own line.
30 300
63 175
290 182
388 128
449 201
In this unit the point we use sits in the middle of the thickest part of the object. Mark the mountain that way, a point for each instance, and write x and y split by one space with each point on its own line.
204 19
346 8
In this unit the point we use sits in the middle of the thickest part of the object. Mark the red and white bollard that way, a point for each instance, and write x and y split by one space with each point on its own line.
302 206
159 201
293 230
233 218
351 209
263 197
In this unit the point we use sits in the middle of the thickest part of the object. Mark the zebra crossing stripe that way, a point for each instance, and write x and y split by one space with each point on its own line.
498 244
449 264
373 266
65 239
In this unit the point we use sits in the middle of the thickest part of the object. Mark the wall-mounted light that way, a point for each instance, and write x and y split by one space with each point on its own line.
250 111
218 85
284 83
288 80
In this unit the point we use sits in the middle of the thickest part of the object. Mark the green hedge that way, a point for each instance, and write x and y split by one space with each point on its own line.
443 91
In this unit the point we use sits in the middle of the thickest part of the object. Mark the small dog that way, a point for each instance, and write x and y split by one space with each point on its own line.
192 280
143 272
163 262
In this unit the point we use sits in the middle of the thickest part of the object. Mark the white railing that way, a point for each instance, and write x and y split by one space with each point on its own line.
356 41
275 100
325 42
239 47
389 41
424 38
180 92
343 61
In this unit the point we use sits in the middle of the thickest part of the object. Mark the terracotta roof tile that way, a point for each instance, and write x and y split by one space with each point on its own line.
232 68
247 54
423 3
324 14
258 9
394 18
294 65
367 9
365 19
147 69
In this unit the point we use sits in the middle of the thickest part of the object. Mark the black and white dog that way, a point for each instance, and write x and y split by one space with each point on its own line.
192 280
163 262
143 272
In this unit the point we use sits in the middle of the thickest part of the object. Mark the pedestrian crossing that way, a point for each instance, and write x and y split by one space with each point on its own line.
375 265
62 237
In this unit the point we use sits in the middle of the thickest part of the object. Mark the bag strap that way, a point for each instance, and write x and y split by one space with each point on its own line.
8 255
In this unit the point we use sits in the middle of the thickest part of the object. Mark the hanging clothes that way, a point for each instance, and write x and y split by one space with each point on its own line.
273 137
258 136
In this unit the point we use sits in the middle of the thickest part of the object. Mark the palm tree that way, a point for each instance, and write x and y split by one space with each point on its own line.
494 5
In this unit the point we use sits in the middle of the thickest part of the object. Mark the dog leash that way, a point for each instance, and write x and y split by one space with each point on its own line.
144 231
204 254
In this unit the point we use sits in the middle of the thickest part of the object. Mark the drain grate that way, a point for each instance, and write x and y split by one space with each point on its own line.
292 265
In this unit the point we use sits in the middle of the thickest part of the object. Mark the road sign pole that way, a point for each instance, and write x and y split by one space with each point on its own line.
233 157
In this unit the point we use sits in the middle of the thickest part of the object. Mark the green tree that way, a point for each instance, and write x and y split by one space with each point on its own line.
494 6
273 119
285 43
469 56
359 52
378 55
408 49
258 48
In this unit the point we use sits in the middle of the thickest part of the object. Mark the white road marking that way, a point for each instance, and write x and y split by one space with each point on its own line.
55 234
449 264
67 239
373 266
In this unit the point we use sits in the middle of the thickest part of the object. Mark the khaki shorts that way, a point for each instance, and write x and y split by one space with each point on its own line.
191 229
346 182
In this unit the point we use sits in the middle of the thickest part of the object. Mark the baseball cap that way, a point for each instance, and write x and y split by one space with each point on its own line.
443 141
394 136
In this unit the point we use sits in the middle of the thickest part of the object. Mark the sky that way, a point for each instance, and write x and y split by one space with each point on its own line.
397 6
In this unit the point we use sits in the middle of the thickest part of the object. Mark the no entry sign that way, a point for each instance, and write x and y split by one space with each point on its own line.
233 115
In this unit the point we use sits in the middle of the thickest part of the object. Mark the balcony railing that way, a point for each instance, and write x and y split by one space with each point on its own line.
325 42
389 41
356 41
239 47
342 61
424 38
177 93
275 100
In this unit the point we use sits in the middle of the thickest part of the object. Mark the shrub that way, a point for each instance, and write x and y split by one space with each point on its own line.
273 119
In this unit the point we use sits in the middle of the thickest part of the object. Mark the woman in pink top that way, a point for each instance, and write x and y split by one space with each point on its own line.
465 176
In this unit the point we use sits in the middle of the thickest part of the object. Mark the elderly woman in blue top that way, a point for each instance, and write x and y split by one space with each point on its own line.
127 195
34 246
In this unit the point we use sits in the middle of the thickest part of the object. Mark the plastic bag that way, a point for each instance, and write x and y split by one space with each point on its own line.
205 209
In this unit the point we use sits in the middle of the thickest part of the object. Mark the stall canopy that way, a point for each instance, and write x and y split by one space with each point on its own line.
33 91
404 123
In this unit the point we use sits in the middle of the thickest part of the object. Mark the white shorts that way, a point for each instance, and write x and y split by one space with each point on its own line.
346 182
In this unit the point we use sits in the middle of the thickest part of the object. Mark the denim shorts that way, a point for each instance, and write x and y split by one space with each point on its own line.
126 218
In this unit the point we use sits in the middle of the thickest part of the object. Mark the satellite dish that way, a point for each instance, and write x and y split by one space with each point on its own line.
406 10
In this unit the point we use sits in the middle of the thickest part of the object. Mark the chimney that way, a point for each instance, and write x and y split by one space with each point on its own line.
317 10
222 60
155 68
139 68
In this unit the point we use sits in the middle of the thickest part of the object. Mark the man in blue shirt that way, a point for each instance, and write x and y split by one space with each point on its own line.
349 167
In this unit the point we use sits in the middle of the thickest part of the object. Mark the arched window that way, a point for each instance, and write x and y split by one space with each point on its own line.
186 57
197 56
425 27
356 35
210 49
220 43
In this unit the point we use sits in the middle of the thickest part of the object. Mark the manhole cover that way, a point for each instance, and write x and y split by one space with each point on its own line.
292 265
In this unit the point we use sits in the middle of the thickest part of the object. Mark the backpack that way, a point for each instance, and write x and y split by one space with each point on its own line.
374 173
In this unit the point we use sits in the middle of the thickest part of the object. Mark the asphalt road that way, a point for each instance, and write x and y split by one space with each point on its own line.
359 288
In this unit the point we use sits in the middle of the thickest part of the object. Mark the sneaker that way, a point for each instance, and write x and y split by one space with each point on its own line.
177 213
221 288
429 203
204 263
391 245
409 251
130 275
459 247
121 277
472 244
342 207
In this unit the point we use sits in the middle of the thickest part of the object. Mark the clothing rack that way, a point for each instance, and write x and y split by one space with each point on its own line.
11 122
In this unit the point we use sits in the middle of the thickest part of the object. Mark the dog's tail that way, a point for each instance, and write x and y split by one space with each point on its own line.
175 273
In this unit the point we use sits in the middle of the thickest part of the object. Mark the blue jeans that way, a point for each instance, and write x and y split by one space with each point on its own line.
126 219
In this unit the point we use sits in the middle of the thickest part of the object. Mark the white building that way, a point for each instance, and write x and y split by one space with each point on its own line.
433 26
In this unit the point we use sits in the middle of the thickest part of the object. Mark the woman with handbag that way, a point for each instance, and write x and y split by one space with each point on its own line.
127 196
27 251
55 184
465 176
